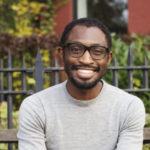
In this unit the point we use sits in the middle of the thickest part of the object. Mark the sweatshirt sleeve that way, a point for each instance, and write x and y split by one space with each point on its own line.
131 132
31 125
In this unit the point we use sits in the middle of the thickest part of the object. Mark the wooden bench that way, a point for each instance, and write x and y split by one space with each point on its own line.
146 136
10 136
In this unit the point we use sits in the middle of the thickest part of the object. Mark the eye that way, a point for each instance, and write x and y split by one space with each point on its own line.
75 49
98 51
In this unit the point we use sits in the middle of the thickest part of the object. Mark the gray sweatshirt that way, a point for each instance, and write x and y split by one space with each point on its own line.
53 120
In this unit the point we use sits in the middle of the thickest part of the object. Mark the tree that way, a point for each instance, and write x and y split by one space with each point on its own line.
110 12
25 17
28 24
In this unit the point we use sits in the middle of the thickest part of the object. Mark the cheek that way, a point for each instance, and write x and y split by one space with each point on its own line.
102 63
105 62
69 60
103 66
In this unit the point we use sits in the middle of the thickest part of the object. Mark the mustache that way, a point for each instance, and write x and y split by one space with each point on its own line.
85 66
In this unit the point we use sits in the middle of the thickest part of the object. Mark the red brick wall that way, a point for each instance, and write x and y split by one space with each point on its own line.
63 17
139 16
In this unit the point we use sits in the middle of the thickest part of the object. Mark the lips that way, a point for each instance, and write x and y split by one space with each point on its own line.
85 72
82 67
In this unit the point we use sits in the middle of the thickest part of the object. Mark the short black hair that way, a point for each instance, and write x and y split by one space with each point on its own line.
88 22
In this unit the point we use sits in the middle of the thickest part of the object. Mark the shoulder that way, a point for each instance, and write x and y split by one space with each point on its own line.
119 94
129 107
125 101
39 99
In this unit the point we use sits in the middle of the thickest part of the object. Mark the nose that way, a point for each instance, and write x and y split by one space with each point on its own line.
86 59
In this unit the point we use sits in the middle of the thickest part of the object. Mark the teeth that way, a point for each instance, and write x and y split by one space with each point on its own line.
86 71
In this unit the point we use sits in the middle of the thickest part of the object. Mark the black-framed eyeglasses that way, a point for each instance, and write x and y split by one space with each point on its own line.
77 50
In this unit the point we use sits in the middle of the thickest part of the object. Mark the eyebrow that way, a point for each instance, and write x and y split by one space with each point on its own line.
96 44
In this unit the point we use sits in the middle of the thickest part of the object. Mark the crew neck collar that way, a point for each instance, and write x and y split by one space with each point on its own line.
84 102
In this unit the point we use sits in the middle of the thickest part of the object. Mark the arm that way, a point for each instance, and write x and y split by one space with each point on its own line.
131 133
31 126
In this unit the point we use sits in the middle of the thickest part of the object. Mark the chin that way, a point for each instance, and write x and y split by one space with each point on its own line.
81 83
84 84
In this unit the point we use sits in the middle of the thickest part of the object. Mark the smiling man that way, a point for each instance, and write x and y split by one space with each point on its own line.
84 112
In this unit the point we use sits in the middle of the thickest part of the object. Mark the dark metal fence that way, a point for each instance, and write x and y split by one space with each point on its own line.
130 68
39 71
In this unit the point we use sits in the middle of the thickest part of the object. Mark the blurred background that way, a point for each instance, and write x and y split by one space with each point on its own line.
29 60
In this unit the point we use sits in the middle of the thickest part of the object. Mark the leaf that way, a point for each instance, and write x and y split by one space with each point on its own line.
31 81
3 110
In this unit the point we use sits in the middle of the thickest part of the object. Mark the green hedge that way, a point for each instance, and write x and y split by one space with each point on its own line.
140 46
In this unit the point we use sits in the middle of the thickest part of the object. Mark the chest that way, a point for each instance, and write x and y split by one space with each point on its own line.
82 128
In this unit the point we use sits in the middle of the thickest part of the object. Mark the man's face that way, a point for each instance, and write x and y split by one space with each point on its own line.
85 72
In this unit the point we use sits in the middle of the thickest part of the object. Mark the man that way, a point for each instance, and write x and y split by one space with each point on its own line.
84 112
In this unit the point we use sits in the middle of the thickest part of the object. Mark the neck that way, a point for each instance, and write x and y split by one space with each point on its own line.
84 94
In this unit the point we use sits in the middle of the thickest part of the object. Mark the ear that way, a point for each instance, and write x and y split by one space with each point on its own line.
60 51
109 58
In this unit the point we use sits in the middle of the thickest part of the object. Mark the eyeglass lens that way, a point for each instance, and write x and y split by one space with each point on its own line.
78 50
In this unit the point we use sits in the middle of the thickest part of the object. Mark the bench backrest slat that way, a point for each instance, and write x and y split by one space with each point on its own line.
10 136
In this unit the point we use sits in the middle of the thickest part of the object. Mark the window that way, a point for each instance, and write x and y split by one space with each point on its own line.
113 13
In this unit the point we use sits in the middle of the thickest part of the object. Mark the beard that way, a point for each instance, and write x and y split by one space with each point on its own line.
84 84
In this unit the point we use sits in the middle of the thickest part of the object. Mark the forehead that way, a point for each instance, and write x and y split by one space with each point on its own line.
87 35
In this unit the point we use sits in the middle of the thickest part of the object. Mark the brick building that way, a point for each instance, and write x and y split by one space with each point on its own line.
138 15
